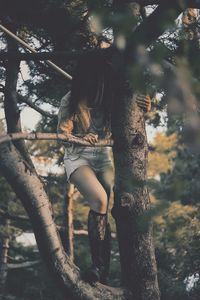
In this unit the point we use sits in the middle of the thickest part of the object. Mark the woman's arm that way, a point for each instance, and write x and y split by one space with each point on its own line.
65 122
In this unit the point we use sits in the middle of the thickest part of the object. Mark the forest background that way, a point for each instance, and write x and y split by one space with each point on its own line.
174 160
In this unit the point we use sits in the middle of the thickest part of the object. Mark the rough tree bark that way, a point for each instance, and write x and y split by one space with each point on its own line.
131 200
4 246
12 111
68 237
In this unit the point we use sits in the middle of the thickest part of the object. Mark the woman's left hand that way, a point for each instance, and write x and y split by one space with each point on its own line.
144 102
91 137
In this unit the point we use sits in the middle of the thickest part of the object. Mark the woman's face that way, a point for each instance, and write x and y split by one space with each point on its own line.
91 88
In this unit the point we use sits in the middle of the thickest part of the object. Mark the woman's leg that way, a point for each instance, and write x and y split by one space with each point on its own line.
106 178
90 187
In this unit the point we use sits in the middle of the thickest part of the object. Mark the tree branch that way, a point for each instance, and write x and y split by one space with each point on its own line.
154 25
35 107
35 200
52 136
23 265
150 29
12 112
84 232
7 215
41 56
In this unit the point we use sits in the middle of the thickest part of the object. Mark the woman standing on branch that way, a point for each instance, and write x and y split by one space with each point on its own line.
85 111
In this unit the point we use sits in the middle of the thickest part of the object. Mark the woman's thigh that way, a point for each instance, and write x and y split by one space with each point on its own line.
106 178
90 187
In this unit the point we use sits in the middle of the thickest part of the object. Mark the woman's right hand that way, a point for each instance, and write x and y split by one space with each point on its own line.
144 102
91 137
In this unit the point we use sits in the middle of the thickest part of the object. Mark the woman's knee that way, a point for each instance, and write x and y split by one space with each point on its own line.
99 202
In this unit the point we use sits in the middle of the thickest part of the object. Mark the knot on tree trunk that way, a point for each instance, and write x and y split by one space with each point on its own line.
138 140
119 212
129 205
127 208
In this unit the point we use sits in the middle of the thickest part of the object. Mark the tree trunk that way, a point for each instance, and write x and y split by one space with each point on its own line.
131 199
29 188
68 238
4 258
12 112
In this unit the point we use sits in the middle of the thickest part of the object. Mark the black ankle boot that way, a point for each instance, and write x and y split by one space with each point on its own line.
97 232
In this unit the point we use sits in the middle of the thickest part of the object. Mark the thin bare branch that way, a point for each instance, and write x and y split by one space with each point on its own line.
84 232
35 107
7 215
52 136
23 265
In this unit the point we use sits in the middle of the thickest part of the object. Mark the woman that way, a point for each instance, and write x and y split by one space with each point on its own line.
85 111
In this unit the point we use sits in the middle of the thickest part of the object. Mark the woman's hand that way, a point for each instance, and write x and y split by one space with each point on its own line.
91 137
144 102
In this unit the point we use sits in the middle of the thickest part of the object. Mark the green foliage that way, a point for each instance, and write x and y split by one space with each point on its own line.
33 283
177 245
182 182
176 223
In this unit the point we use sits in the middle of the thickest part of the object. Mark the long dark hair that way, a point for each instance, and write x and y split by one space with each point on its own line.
93 81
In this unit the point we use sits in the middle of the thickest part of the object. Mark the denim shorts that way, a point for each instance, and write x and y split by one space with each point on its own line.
97 158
